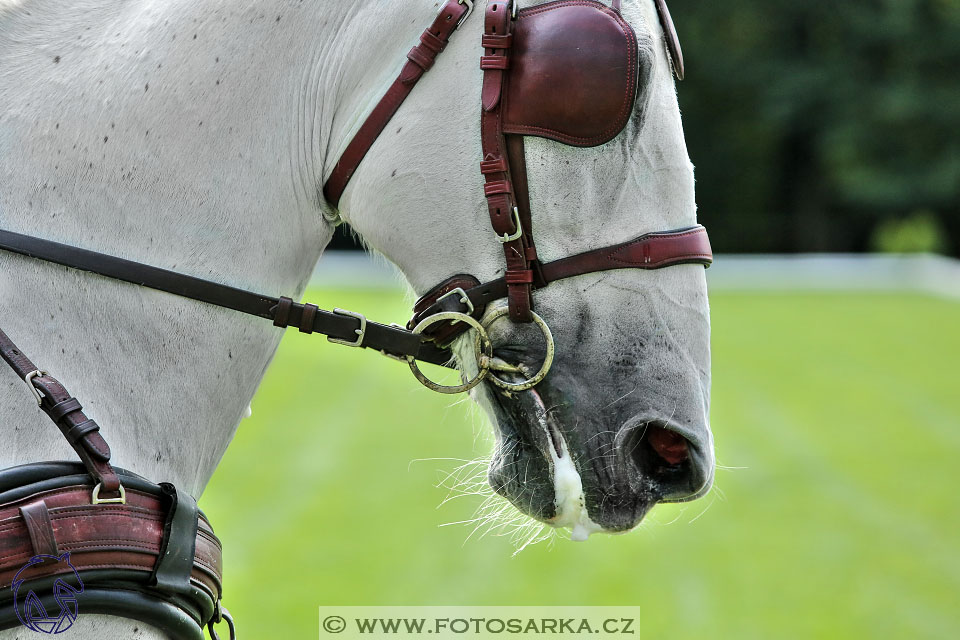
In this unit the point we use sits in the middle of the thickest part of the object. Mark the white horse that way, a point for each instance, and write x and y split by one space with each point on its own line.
195 135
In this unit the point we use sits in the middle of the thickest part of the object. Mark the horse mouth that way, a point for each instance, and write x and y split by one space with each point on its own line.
555 470
529 436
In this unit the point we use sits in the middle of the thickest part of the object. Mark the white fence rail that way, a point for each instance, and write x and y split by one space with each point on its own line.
930 274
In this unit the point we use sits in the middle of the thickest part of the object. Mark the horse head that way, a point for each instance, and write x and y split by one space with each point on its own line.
620 422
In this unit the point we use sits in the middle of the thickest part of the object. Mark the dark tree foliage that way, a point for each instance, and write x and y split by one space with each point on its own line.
811 122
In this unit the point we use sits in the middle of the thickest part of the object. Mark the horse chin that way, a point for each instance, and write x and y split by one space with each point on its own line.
532 466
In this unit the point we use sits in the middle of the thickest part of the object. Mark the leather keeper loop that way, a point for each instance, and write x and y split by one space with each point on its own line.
306 318
75 433
497 165
495 187
494 62
519 277
282 314
419 58
432 42
492 41
59 410
36 518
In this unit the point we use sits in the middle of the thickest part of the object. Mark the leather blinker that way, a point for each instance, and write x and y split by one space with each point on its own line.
573 73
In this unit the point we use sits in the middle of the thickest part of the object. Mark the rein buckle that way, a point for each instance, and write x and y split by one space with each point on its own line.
361 332
469 4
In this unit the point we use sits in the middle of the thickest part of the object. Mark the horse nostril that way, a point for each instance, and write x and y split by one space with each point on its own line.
664 460
669 445
658 452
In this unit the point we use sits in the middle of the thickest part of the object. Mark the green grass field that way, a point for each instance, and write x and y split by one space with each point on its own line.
838 414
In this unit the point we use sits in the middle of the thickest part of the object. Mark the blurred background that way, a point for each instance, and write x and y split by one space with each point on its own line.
825 137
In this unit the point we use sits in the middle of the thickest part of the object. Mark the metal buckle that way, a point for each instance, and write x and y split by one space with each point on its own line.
547 361
505 238
513 9
464 299
483 347
361 332
469 4
29 380
96 499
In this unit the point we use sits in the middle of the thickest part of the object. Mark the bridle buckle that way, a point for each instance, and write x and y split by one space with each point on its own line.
29 380
510 237
361 332
469 4
464 300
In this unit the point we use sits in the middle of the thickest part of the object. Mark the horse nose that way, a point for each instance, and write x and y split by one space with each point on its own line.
666 459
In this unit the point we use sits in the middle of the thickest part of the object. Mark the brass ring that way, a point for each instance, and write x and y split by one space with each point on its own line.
483 347
547 361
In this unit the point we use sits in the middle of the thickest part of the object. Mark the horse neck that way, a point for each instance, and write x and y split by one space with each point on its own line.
186 135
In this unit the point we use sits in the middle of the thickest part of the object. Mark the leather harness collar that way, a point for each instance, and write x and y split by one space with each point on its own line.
141 550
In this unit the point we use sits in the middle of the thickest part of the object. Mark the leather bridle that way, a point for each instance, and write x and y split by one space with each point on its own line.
179 549
426 339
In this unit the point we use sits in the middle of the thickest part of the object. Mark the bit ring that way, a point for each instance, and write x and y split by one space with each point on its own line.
482 346
547 361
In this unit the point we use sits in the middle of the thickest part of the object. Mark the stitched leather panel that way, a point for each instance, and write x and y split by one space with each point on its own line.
573 75
97 536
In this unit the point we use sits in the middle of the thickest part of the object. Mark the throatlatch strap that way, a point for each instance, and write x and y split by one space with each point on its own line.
419 61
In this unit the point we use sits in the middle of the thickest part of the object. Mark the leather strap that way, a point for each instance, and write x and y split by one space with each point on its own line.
504 171
419 61
282 311
649 251
80 431
176 557
671 38
36 518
